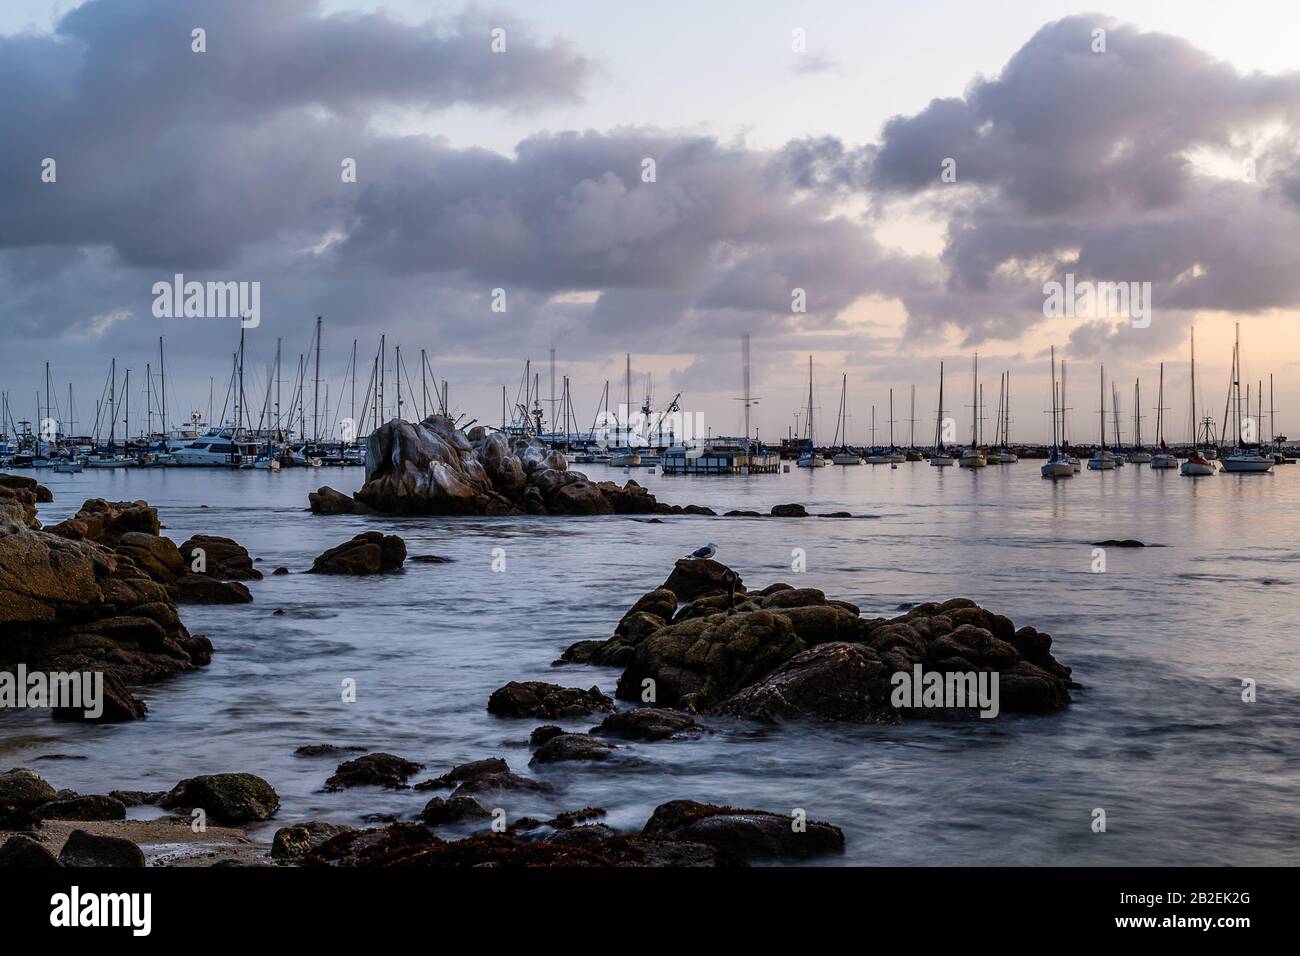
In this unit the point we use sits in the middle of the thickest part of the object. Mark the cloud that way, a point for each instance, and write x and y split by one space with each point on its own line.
1080 161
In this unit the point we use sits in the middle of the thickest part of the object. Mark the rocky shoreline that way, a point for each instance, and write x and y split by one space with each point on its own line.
100 591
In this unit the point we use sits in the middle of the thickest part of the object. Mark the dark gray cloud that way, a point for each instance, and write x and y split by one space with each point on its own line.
1071 160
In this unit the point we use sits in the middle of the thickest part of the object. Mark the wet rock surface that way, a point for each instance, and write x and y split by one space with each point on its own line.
230 798
548 701
781 653
648 723
95 807
93 593
745 834
25 789
373 770
370 552
219 557
573 747
23 851
294 842
88 849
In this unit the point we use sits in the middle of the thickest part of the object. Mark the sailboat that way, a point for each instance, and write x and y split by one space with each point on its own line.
1163 458
1102 459
1057 465
1139 455
1196 466
811 458
626 456
912 454
844 456
895 454
1005 456
973 457
940 458
877 455
1247 458
1065 428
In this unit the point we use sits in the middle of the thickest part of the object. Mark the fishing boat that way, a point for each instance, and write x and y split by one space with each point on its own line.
844 456
973 457
1163 458
940 458
1102 459
810 458
1057 465
1197 465
1246 457
67 466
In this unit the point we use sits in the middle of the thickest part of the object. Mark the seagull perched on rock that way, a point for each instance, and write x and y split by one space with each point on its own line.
701 554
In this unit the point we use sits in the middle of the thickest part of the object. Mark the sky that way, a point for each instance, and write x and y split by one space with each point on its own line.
916 173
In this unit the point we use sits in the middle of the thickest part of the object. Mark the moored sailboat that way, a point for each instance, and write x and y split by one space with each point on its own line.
844 456
941 457
1163 458
811 458
1102 459
1057 464
1246 457
1196 466
973 457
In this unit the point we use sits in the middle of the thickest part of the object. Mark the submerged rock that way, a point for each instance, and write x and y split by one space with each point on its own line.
648 723
326 501
230 798
439 811
789 511
219 557
548 701
371 552
748 834
573 747
202 589
377 769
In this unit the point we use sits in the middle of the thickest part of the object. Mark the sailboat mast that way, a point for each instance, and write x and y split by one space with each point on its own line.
938 419
1102 389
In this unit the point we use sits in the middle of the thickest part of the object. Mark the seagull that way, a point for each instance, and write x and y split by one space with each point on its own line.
708 551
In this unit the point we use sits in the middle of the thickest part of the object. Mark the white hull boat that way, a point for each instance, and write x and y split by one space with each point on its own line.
1247 463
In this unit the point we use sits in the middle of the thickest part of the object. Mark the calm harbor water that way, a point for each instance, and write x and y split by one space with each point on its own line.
1162 640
